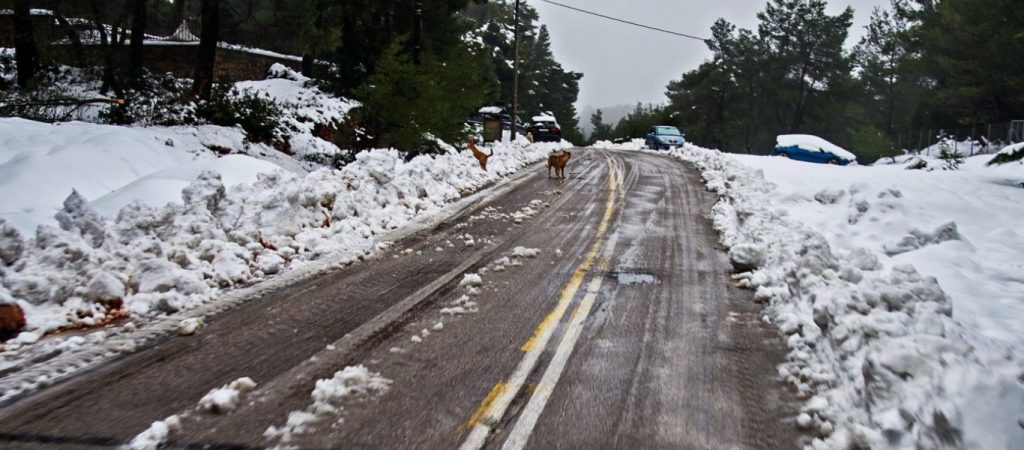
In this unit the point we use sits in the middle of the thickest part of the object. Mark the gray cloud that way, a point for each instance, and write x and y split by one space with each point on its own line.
625 64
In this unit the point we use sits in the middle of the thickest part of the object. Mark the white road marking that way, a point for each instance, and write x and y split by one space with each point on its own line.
523 428
494 407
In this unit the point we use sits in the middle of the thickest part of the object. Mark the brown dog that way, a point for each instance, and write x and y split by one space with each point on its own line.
558 161
480 156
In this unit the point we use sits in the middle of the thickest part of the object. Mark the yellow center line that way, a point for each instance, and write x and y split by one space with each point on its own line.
494 405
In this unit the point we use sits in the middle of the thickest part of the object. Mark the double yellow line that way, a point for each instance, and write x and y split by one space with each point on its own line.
493 407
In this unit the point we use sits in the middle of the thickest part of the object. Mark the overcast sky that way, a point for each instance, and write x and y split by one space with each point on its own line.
622 64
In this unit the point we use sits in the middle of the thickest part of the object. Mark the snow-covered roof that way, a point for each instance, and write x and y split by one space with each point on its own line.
813 143
490 110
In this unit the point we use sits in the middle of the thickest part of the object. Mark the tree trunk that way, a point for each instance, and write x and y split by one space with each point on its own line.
202 80
76 43
178 12
135 52
26 55
307 64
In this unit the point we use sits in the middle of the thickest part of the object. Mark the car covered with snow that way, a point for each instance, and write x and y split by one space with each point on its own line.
545 128
664 137
806 147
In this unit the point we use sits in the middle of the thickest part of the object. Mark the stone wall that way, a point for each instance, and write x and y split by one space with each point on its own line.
179 59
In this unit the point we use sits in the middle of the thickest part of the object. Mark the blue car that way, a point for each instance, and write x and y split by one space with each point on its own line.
805 147
663 137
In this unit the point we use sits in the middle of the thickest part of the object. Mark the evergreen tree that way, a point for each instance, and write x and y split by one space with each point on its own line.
544 85
883 58
970 54
637 123
404 105
805 56
602 131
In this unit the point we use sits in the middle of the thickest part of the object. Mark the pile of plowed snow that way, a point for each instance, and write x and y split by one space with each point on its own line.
149 258
900 293
633 144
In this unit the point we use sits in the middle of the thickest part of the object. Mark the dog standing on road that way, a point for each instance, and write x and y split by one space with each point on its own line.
558 161
480 156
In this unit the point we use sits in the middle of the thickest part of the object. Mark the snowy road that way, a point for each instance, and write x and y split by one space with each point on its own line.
623 331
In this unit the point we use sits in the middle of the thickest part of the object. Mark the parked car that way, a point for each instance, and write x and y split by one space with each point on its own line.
805 147
664 137
545 129
506 122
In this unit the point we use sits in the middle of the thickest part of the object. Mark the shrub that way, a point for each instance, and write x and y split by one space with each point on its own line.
950 156
259 116
158 100
1008 157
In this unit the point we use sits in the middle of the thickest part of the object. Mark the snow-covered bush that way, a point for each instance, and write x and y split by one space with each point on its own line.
1008 154
156 99
8 71
949 155
257 114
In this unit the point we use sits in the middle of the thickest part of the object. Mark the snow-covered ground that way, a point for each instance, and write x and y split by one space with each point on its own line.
900 293
41 163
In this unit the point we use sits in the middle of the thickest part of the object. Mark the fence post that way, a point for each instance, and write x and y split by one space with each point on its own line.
972 138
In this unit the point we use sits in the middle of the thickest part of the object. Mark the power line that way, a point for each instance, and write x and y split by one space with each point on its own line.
625 21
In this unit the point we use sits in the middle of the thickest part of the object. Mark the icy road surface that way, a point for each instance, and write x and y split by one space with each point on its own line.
594 311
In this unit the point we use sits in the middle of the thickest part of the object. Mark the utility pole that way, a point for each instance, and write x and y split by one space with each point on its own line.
417 32
515 70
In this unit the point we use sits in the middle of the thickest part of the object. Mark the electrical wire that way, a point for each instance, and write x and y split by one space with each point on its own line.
624 21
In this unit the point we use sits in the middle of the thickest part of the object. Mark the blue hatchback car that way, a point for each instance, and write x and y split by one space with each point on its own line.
805 147
663 137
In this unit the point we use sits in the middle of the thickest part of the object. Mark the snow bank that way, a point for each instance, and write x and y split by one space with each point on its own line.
149 261
913 349
40 164
635 144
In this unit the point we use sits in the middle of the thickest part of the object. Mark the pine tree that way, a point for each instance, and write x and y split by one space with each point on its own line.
404 105
882 56
971 54
602 131
805 46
